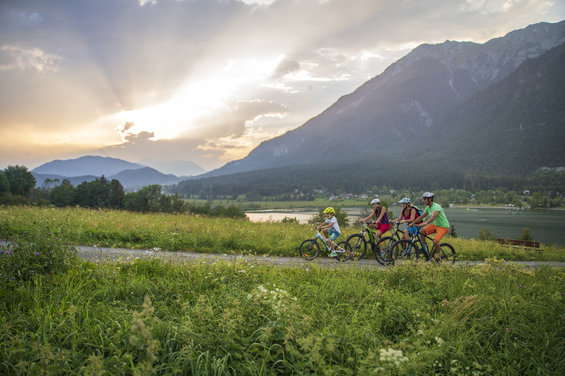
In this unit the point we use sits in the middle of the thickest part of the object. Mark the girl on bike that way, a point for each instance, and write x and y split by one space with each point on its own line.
407 215
330 228
382 224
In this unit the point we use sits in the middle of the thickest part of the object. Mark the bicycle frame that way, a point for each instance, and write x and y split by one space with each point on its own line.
324 240
446 250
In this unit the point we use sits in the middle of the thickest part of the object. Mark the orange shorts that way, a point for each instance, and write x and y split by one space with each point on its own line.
440 231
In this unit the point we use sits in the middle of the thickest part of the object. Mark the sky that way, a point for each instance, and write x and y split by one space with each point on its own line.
169 82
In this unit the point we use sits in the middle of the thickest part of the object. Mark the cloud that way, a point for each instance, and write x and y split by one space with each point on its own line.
14 57
211 78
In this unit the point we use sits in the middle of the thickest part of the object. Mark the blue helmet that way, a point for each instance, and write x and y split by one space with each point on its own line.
405 200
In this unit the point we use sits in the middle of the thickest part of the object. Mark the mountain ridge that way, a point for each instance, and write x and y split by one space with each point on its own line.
403 102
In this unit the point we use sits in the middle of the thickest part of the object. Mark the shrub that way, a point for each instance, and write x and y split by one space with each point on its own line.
484 234
36 253
527 234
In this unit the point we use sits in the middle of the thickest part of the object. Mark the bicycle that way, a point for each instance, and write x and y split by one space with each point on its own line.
310 248
358 244
417 246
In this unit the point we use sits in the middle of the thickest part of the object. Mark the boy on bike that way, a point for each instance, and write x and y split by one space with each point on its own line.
330 229
407 215
382 224
437 223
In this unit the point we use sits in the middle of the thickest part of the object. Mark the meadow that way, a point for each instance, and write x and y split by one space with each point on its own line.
179 232
151 317
62 315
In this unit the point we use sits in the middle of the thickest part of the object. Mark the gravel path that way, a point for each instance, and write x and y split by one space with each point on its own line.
117 254
102 254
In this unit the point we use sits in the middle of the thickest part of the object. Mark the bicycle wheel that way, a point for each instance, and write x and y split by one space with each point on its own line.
357 245
343 251
309 249
404 250
447 252
382 250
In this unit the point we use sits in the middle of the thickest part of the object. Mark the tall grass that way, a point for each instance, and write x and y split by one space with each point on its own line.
238 318
177 232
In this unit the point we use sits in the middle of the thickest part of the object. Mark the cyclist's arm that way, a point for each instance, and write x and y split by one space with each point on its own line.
418 220
432 218
367 218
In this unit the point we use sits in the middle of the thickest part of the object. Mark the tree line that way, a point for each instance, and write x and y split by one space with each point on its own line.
17 186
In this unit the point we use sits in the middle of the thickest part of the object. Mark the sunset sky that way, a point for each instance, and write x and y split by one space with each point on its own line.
206 80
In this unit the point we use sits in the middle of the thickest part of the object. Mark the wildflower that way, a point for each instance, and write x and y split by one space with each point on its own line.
392 356
37 253
439 341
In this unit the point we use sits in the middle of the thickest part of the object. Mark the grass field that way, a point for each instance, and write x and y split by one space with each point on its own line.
178 232
155 318
60 315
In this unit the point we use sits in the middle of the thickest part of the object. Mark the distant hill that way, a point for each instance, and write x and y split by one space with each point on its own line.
87 165
403 104
138 178
132 176
53 179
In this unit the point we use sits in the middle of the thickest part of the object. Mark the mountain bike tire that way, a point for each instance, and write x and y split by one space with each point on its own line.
358 246
447 252
382 250
309 249
341 257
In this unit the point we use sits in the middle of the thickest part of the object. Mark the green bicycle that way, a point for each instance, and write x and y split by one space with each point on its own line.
359 242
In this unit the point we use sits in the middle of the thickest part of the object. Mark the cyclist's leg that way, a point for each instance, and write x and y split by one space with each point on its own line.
440 233
332 237
428 230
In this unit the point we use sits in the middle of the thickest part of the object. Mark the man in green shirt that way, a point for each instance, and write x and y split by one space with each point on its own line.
437 223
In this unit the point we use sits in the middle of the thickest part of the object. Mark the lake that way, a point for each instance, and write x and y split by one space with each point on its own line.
546 226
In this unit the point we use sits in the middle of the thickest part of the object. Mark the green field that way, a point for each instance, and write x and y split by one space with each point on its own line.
181 232
61 315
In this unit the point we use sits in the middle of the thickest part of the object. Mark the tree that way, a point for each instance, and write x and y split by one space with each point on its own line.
116 194
20 179
4 184
63 194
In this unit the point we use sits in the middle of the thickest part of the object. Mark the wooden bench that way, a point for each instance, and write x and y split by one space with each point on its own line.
526 244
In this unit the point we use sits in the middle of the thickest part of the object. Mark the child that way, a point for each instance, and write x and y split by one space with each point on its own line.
330 229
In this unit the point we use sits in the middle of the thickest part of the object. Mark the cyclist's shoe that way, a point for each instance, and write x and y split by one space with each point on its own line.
333 254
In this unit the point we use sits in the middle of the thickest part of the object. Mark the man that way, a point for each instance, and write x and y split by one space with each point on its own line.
437 223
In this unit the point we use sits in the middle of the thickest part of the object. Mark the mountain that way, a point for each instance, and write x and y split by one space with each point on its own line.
86 165
138 178
178 168
404 103
515 126
131 175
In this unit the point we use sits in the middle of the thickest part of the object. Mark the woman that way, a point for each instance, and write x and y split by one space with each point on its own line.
382 224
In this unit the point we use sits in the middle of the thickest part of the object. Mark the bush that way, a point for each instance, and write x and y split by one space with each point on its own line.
484 234
32 254
527 234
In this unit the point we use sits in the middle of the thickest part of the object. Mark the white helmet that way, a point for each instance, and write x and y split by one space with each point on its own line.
428 195
375 201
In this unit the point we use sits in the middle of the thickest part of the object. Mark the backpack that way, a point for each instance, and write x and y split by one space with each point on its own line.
418 211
